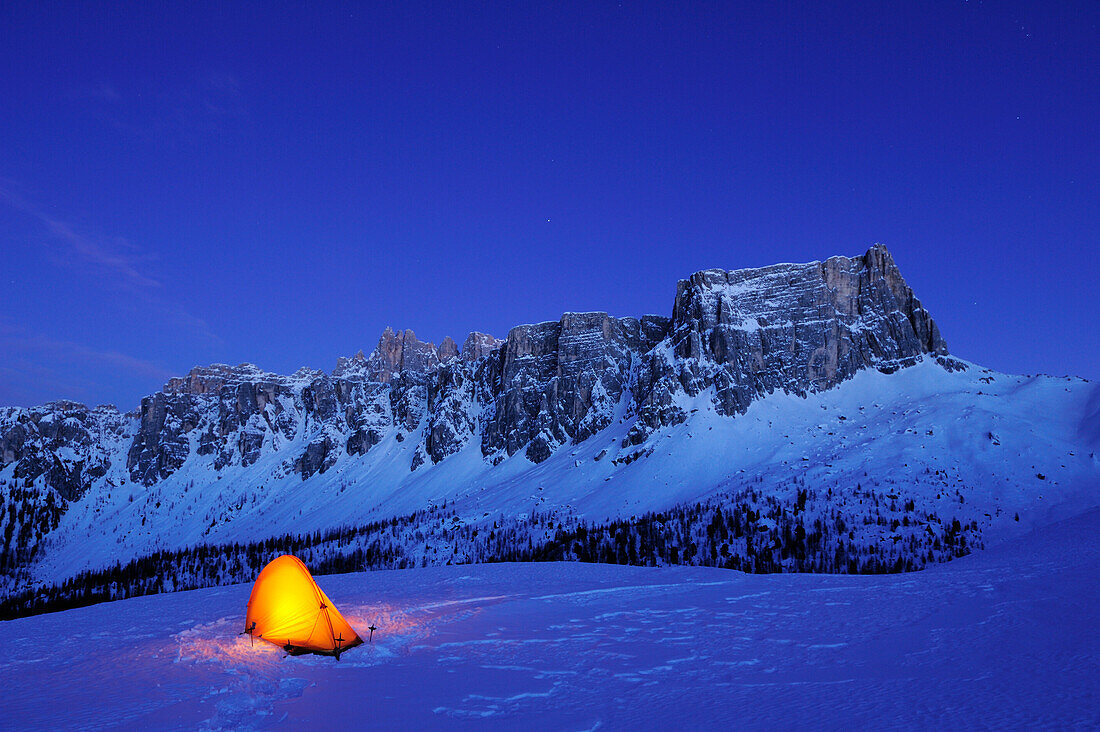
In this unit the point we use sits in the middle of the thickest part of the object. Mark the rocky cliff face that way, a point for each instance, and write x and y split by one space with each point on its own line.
562 381
737 335
64 445
792 327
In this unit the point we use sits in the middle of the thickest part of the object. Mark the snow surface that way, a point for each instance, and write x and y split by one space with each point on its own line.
1004 637
925 430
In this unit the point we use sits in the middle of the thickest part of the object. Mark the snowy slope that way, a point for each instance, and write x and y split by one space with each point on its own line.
1009 445
1001 638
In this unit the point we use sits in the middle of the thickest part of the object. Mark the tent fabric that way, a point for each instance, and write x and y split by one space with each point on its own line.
287 608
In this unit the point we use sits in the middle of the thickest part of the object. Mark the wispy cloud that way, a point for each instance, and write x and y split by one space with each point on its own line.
36 367
28 384
112 359
180 111
116 257
16 340
221 95
101 91
116 262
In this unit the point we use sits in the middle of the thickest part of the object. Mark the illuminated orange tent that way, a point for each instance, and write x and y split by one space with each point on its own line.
287 608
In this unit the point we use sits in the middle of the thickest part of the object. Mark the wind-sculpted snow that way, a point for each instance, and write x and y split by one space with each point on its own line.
1004 638
591 414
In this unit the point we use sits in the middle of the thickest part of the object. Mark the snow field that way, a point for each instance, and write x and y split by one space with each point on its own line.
1005 637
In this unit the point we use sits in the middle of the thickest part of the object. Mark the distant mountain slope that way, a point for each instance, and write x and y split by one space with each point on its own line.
829 374
1090 421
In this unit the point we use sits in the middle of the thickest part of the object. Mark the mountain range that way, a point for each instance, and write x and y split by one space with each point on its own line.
828 378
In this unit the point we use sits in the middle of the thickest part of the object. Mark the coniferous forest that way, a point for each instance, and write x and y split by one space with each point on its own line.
863 530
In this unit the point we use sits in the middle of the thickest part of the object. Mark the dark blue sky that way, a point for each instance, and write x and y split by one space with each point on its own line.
194 183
